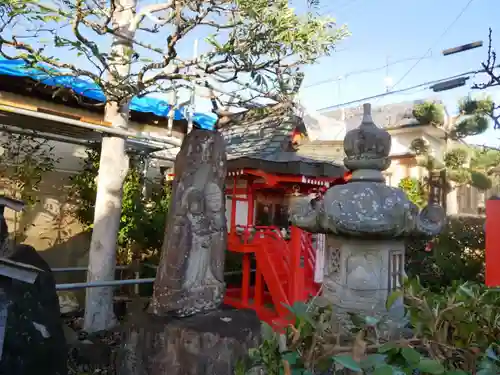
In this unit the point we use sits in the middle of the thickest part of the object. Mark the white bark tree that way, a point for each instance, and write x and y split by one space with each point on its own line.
254 41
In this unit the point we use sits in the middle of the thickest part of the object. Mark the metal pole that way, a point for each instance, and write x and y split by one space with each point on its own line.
98 284
57 138
76 269
99 128
80 142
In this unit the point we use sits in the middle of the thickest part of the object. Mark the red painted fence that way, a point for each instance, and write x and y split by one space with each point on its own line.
492 234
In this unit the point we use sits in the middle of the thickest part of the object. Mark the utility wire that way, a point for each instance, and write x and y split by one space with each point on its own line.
450 26
402 90
362 71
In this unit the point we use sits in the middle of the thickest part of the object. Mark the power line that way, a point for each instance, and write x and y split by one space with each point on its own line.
362 71
450 26
401 90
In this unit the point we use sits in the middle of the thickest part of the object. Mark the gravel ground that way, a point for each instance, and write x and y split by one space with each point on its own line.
91 354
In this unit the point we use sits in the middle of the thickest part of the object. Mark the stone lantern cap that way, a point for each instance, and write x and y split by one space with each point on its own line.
367 148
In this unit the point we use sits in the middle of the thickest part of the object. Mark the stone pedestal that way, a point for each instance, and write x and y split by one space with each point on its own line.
361 276
208 343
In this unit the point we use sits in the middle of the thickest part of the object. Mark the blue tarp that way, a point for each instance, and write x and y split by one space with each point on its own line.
159 107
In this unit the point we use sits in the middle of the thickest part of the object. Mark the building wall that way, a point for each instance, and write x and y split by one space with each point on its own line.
50 225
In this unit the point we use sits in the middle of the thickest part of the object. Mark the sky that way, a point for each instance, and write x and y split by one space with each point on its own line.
387 37
388 31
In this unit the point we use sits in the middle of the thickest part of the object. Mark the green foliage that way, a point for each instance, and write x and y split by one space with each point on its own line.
484 158
143 219
419 146
470 106
480 180
413 190
457 254
23 163
469 126
429 113
475 117
456 158
455 332
460 176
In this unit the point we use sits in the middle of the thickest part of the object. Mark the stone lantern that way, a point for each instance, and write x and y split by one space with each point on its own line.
370 220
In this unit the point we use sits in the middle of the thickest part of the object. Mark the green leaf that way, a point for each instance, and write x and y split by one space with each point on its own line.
372 360
411 355
387 347
290 357
384 369
456 372
348 362
490 353
430 366
392 298
466 290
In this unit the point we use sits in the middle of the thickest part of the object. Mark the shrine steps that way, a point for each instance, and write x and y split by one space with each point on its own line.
284 273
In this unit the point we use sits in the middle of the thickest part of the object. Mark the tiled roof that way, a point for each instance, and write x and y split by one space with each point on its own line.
387 116
262 138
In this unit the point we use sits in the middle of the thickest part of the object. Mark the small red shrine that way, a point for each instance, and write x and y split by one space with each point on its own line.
267 165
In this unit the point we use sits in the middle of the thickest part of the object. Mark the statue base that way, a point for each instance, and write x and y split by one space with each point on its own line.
189 302
211 343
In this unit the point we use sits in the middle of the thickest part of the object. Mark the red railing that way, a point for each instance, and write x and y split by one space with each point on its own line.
284 271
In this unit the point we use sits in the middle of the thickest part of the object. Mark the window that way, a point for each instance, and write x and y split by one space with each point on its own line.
280 216
271 214
263 216
395 270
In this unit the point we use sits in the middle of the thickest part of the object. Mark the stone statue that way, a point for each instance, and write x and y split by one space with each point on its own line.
371 219
190 277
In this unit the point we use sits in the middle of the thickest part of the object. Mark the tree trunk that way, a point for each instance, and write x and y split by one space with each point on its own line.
113 169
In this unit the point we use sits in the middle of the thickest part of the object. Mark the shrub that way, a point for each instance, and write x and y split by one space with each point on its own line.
457 254
429 113
454 332
413 190
143 218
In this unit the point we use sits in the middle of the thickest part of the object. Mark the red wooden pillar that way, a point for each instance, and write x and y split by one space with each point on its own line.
246 262
296 277
259 282
492 234
233 207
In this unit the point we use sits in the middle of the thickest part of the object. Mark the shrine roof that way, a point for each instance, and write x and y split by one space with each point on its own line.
264 143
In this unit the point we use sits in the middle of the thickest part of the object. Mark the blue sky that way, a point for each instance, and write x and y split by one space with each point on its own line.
392 30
